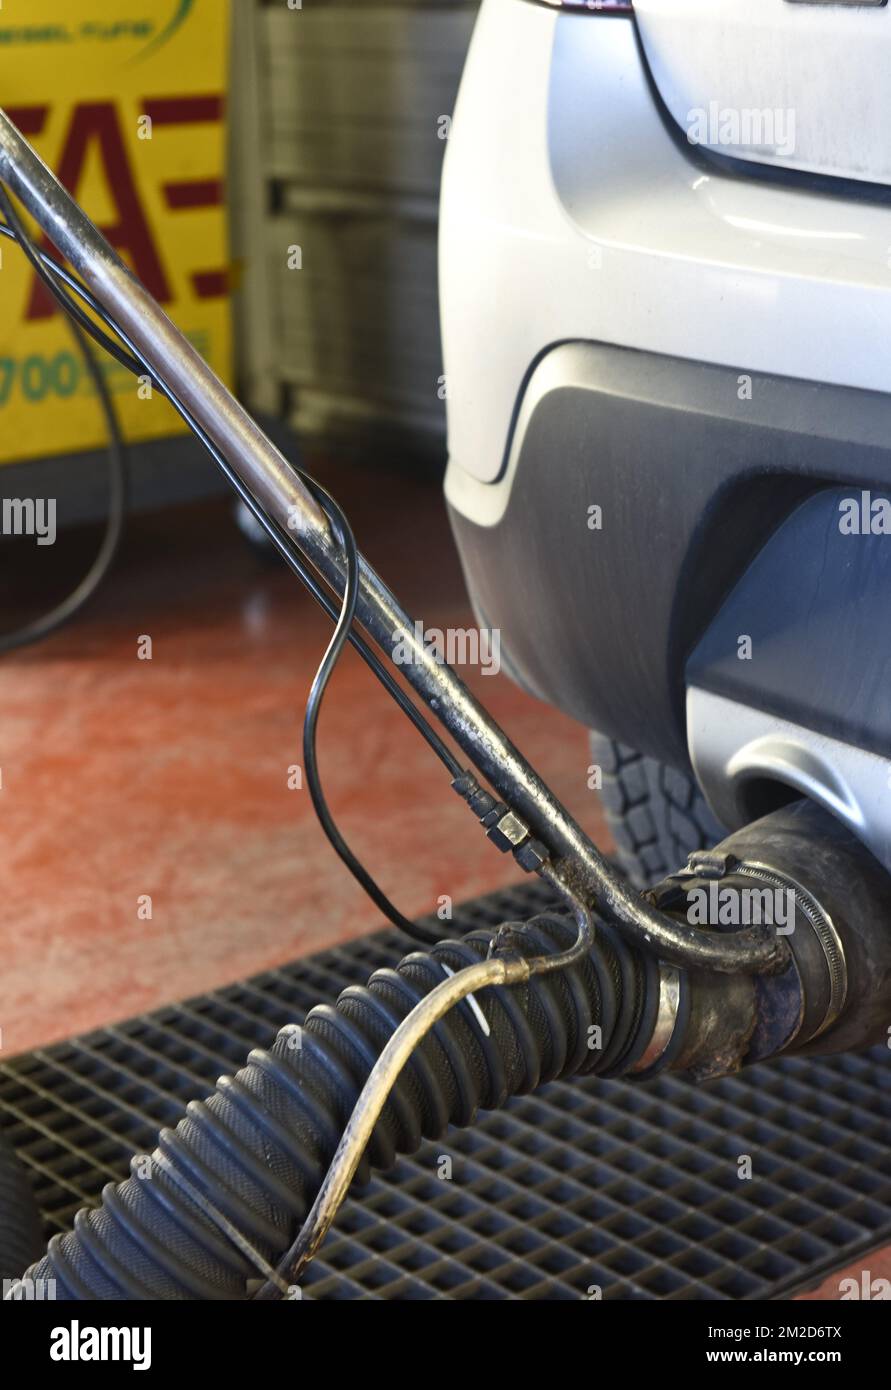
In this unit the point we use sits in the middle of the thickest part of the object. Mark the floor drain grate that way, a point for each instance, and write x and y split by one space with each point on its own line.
630 1189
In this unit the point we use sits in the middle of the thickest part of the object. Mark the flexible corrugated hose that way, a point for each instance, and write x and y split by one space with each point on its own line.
229 1188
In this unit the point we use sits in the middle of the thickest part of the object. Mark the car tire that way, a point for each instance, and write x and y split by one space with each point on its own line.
657 815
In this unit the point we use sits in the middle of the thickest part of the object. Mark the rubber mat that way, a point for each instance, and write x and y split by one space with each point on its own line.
632 1191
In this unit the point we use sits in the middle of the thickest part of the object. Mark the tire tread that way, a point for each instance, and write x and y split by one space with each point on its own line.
657 815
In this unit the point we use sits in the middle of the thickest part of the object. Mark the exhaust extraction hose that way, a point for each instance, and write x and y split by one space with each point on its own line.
238 1174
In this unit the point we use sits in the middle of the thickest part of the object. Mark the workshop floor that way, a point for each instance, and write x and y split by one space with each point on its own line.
123 780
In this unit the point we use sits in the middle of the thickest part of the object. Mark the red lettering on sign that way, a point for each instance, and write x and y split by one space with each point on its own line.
193 193
96 123
210 284
186 110
29 119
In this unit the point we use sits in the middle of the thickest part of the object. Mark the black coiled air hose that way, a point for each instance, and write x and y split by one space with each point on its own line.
258 1148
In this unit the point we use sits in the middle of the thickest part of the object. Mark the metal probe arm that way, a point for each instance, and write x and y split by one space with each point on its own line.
270 479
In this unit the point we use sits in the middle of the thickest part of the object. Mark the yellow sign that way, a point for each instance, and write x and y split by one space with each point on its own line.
124 99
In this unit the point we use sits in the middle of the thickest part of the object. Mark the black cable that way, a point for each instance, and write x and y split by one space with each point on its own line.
117 470
54 277
343 534
138 366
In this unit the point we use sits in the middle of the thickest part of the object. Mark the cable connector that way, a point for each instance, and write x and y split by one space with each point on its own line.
503 826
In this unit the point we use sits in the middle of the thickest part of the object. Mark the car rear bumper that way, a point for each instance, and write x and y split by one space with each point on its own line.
574 211
639 491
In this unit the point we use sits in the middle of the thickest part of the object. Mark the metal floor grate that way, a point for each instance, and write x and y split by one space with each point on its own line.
633 1189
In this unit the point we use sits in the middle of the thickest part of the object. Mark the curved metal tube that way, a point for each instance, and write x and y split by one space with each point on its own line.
269 477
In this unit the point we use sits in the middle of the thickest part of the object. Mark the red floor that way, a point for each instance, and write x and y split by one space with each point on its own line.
123 778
